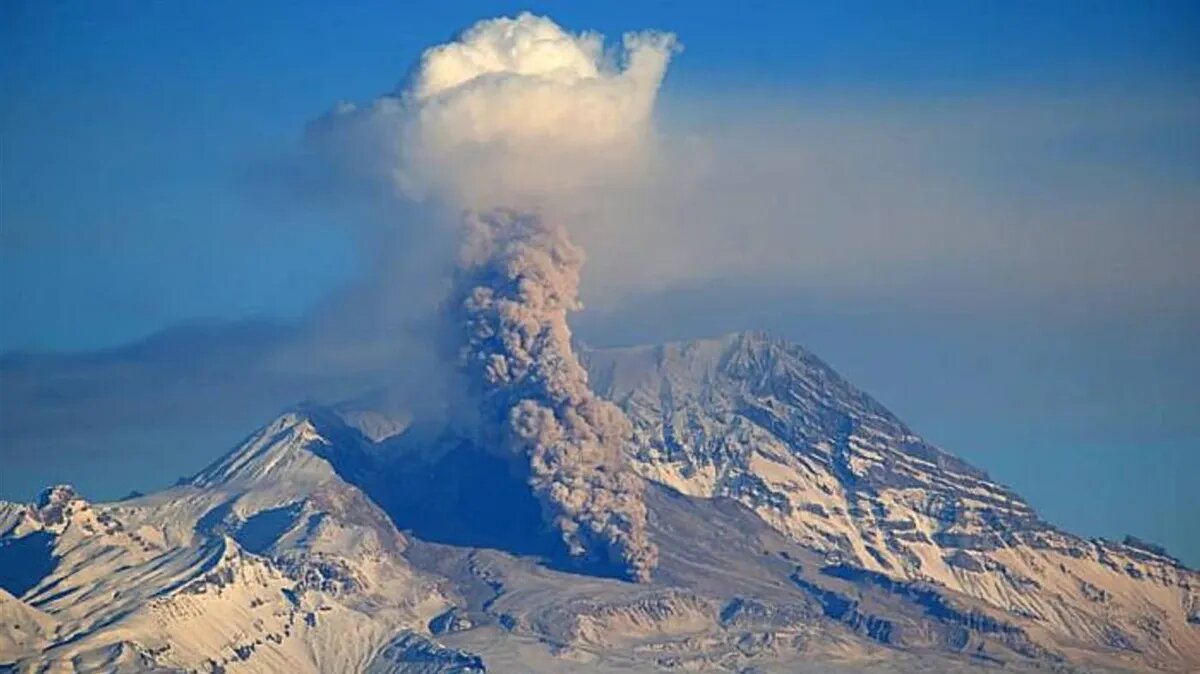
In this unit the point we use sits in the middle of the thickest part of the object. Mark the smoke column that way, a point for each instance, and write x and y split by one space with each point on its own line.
514 116
519 278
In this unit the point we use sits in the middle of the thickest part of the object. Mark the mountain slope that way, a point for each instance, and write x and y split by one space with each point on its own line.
266 553
270 561
771 426
802 528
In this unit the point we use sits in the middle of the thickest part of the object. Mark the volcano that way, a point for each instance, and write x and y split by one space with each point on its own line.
800 527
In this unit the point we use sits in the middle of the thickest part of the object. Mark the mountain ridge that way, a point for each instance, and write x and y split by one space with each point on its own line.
799 520
845 476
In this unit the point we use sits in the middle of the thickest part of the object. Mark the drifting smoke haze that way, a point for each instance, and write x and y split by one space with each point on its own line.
505 122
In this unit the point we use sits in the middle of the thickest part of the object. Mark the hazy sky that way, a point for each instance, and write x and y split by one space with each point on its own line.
986 214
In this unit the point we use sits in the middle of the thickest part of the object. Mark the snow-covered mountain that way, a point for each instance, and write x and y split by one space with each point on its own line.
267 557
769 425
801 527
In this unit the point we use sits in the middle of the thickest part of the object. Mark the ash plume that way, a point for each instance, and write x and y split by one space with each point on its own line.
514 117
519 276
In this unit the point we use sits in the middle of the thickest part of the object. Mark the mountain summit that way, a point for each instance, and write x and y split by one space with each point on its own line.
801 527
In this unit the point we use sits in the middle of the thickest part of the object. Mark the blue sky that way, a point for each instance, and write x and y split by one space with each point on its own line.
131 132
142 147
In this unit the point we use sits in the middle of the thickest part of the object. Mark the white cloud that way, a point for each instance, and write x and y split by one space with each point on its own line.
979 199
512 113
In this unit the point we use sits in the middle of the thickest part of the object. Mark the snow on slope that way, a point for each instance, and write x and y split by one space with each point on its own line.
26 628
768 424
265 562
799 522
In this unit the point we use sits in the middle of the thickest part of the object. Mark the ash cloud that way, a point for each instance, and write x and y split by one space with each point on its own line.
513 117
519 278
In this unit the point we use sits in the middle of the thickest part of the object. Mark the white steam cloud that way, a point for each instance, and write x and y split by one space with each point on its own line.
513 113
513 116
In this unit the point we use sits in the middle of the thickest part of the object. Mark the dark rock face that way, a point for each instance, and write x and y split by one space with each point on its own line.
59 493
845 610
746 613
453 620
411 653
965 561
934 602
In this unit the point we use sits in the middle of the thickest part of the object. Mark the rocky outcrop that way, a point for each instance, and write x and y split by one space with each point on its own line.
411 653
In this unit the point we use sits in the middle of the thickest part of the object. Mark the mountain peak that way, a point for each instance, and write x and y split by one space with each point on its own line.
283 449
57 495
724 416
749 339
793 511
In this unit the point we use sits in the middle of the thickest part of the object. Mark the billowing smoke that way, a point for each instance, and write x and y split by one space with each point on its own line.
513 116
519 278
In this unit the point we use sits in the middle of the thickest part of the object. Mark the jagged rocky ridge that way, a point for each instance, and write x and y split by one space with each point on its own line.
801 527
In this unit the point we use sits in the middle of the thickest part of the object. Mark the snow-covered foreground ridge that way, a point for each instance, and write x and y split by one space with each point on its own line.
801 527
